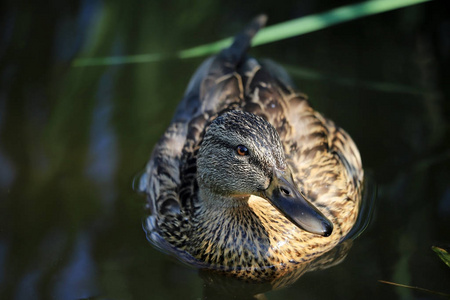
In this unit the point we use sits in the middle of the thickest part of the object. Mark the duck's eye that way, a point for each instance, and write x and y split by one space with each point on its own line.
242 150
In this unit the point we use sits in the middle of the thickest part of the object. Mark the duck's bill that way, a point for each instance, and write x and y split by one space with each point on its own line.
283 194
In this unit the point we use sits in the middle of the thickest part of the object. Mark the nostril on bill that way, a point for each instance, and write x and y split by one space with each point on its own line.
285 191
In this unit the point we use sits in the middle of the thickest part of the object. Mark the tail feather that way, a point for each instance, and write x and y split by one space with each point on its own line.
233 55
225 63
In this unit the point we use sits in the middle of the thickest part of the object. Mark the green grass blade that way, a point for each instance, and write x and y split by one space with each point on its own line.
118 60
415 288
320 21
205 49
443 254
269 34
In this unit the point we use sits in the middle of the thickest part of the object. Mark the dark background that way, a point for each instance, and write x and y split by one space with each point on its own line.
73 138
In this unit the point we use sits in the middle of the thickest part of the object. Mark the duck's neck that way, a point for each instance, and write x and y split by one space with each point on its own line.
226 229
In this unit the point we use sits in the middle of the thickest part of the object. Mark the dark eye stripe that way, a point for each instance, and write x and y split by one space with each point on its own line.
242 150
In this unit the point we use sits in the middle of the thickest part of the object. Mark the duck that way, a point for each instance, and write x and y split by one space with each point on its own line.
248 179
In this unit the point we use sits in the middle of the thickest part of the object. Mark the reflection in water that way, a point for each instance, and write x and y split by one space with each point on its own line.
28 285
3 257
367 208
102 161
78 278
7 170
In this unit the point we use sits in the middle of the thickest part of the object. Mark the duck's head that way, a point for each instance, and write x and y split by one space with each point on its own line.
241 155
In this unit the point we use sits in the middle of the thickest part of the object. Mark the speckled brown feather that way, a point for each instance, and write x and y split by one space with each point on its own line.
256 241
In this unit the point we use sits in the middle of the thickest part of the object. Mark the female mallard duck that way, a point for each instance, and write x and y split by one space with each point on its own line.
248 178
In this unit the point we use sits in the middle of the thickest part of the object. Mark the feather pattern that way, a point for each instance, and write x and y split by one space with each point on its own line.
253 240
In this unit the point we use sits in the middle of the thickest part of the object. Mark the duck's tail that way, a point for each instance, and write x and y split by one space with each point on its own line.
204 93
234 54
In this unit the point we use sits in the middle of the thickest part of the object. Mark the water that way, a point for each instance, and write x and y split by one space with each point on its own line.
72 139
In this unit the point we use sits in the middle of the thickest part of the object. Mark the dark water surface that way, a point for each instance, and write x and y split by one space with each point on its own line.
73 139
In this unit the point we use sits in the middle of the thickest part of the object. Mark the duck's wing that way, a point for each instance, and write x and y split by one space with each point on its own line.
304 132
325 161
